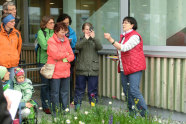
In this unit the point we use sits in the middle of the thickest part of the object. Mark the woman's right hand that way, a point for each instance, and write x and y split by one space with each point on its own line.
107 36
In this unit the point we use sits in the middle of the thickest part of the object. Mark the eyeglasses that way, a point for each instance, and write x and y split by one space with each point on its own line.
126 22
51 23
13 9
66 23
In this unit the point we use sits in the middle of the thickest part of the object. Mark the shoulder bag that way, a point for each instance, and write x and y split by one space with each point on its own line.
47 70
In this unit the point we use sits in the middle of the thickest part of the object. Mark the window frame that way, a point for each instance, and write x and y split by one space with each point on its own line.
26 22
155 51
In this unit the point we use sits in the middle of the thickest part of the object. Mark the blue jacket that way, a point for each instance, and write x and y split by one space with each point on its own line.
72 35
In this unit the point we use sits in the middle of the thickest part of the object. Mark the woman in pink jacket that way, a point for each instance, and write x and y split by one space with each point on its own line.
60 53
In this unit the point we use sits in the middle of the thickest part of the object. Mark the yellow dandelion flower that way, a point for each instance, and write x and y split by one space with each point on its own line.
136 101
92 104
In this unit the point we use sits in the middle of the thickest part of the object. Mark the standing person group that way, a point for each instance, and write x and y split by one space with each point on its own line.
131 63
57 44
47 31
60 52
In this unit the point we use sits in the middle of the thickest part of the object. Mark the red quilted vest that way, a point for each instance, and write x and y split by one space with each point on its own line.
134 59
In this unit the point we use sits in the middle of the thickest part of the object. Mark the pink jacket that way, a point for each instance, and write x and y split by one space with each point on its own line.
57 51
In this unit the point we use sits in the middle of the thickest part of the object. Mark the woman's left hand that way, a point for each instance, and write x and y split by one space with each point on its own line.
65 60
70 39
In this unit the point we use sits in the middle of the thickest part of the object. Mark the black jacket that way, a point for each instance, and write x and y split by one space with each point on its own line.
5 117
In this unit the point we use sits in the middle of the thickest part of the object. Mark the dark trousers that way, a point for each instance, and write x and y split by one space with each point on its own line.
59 93
72 81
45 91
81 85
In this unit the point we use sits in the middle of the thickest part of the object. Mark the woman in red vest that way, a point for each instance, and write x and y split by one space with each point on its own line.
131 63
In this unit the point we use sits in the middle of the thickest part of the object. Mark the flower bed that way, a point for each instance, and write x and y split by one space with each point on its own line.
98 114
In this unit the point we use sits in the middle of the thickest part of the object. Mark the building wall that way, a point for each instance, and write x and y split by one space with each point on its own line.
163 83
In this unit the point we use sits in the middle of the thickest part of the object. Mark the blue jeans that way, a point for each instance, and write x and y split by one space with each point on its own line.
131 89
12 74
81 85
45 91
59 93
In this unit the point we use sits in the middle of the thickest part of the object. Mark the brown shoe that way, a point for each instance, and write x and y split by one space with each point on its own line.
47 111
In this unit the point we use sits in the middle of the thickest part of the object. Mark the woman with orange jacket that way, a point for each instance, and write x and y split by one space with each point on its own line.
10 44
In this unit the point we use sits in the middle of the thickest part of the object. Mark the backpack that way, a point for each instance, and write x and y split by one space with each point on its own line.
37 46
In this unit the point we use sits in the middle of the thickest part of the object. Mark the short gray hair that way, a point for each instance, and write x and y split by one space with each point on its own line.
6 4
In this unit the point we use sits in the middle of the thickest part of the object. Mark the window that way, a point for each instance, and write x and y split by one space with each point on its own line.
1 7
103 14
160 22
